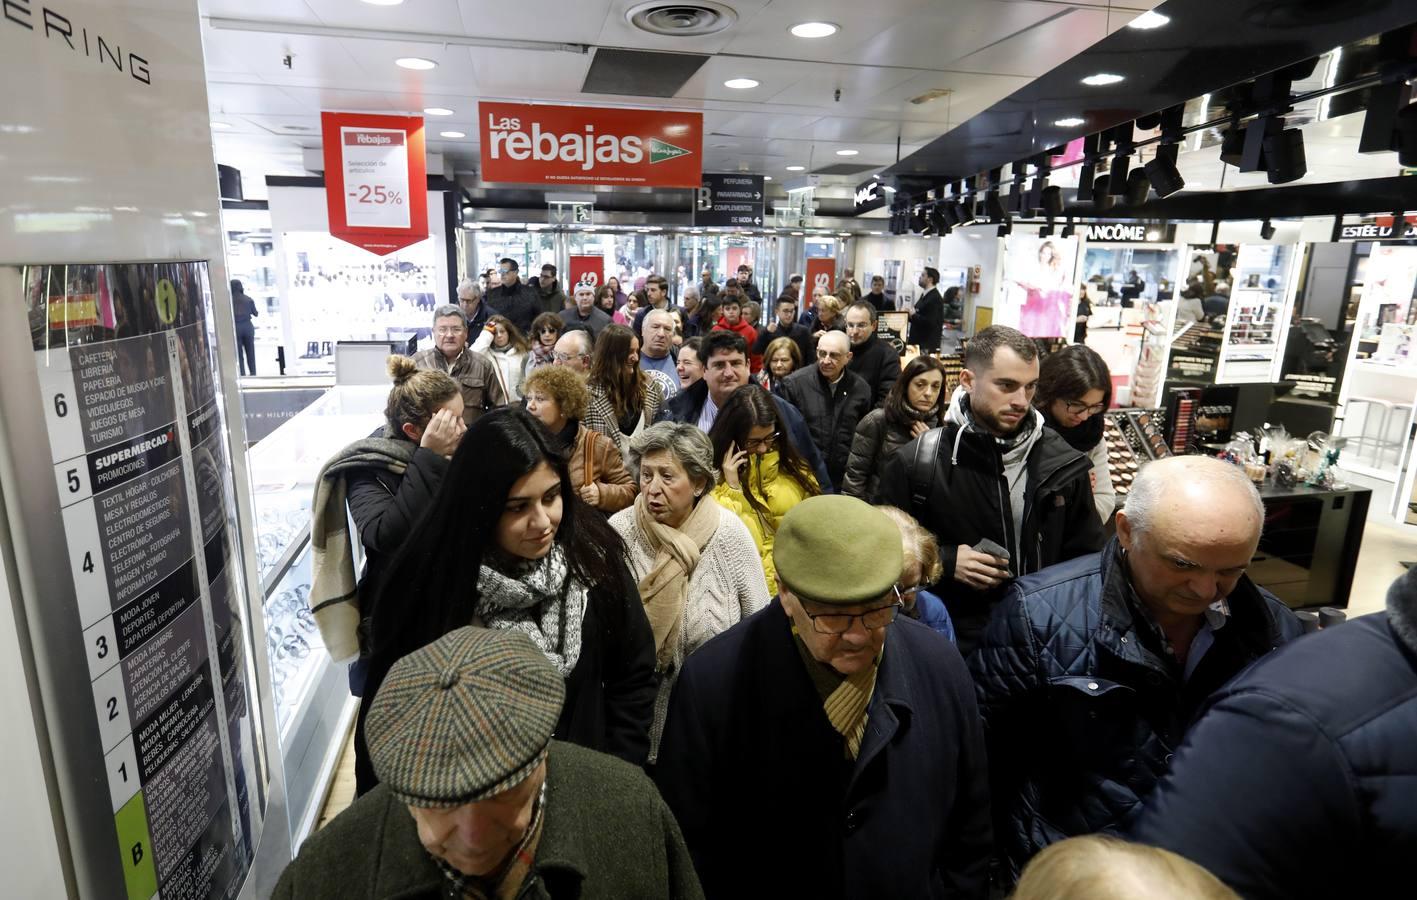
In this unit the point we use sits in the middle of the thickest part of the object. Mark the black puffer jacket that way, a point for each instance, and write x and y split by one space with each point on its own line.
875 441
967 498
1311 748
832 412
878 363
1082 704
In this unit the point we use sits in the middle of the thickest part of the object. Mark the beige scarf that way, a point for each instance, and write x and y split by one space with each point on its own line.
665 588
846 699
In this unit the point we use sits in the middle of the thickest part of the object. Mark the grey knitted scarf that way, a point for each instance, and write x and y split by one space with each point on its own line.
541 599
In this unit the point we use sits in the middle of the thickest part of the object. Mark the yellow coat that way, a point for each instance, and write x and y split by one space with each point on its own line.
779 493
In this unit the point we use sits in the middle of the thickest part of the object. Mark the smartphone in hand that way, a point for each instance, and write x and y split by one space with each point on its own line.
992 548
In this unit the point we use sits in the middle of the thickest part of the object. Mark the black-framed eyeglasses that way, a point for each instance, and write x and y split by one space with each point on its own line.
762 443
871 619
1077 408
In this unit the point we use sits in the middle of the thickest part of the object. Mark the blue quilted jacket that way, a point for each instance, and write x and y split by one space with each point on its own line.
1083 706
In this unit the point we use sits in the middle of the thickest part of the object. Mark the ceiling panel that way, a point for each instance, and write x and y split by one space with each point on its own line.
313 59
578 21
512 74
315 99
767 35
254 99
413 15
285 10
1045 46
455 72
938 36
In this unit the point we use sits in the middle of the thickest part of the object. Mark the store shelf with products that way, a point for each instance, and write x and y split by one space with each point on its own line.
1262 292
313 704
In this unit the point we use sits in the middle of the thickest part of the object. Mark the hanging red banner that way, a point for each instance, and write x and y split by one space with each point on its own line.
821 272
532 144
587 270
376 180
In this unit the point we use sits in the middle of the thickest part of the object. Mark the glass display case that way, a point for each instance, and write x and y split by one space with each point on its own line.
313 704
1261 293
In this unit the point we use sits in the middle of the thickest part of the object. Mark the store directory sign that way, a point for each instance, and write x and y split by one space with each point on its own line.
729 201
376 181
138 445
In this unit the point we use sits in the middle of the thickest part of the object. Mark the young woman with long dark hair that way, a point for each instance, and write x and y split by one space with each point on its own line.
508 544
1074 394
764 474
916 403
624 399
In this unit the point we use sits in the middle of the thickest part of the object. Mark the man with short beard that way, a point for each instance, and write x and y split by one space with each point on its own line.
994 472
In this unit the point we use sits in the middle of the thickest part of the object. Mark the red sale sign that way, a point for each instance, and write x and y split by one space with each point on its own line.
376 180
530 144
587 270
820 273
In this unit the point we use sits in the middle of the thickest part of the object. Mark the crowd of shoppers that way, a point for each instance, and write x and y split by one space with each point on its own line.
945 681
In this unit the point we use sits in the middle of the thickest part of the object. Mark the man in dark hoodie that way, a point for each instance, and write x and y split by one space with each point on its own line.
994 473
549 293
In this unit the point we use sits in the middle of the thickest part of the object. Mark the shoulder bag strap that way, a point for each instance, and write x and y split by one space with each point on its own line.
922 469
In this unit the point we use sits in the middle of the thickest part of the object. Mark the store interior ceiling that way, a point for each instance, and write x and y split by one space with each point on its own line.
907 72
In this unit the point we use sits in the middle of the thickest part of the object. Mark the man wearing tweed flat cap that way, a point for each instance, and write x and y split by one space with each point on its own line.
830 736
476 801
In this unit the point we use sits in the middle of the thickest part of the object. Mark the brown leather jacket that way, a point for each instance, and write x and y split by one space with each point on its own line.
607 470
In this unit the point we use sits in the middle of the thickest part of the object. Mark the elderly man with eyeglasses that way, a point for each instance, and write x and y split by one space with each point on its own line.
475 374
573 351
825 746
832 399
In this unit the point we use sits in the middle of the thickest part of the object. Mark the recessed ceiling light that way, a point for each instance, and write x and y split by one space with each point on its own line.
814 29
796 168
1070 122
740 84
1146 21
383 2
878 232
415 62
1101 79
767 178
221 125
451 134
798 233
847 152
437 111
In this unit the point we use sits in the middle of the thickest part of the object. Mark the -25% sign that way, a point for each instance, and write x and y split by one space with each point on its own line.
377 194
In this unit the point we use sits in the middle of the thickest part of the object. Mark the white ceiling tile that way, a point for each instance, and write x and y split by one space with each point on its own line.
528 74
766 33
263 53
578 21
277 10
413 15
316 99
1043 48
248 98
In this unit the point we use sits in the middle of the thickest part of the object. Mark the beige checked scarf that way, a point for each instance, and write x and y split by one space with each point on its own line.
845 699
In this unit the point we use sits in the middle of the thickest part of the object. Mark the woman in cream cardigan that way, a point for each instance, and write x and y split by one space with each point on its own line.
695 562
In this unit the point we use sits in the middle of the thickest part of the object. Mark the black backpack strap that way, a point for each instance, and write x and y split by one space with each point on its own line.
922 469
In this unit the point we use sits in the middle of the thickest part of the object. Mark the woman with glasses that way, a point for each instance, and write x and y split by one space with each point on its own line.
1074 393
915 404
781 358
695 561
764 475
624 399
509 351
922 568
545 332
507 544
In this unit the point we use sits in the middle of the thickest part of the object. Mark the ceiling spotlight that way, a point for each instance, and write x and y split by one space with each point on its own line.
1148 20
1405 124
1006 228
1101 195
1102 79
1053 200
1284 156
847 152
995 206
1045 231
1266 230
813 29
451 134
1121 163
1070 122
767 178
415 62
437 111
1138 187
1161 171
740 84
964 211
796 168
1067 229
1232 145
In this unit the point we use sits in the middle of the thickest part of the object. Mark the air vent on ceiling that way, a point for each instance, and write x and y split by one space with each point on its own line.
845 169
681 19
640 73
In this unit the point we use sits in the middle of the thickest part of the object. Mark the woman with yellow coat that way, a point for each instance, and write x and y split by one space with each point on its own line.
764 475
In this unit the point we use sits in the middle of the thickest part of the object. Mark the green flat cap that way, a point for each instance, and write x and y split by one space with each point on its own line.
838 549
465 718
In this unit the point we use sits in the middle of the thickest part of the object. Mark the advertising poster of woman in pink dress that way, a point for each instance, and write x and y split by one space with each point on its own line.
1038 286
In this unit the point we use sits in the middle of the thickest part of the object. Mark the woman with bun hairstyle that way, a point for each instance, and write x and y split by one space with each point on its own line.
916 403
387 482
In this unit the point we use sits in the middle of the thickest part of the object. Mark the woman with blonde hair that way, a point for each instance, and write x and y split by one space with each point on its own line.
828 315
1093 867
624 399
922 567
557 397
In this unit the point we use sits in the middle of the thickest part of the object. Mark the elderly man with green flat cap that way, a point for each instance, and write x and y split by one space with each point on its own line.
476 801
826 747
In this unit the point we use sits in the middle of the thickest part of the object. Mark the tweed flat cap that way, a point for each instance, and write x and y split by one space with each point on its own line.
838 549
464 718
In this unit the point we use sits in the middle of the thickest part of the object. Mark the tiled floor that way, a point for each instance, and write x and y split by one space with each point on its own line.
1379 563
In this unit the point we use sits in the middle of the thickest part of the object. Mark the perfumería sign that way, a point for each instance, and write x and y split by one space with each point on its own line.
533 144
1128 233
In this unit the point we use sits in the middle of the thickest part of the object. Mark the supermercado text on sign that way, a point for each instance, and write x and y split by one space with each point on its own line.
529 144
